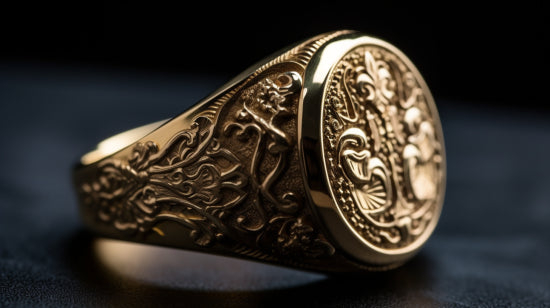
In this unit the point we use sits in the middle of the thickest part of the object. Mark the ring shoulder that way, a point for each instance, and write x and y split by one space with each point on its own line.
227 180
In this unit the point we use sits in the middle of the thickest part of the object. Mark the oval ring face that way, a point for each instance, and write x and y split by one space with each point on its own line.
383 149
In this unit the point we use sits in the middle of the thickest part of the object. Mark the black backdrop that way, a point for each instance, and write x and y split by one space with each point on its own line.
465 50
70 74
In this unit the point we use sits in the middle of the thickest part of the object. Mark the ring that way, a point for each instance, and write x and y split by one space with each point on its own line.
327 156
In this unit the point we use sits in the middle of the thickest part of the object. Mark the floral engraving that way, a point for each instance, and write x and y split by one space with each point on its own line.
193 181
384 152
221 178
280 220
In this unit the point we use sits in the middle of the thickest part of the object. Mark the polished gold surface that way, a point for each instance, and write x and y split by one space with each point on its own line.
382 150
326 156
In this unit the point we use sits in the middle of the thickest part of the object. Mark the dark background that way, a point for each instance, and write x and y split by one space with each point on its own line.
72 74
465 49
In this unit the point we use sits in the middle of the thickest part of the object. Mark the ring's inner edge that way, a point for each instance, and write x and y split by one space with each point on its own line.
118 142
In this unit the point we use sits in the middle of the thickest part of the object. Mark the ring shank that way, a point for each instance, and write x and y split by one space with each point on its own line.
118 142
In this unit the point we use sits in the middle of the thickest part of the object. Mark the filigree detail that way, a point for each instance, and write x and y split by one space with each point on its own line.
221 178
384 152
262 107
193 181
266 107
297 237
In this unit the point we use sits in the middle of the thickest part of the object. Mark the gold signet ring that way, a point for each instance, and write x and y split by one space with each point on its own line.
327 156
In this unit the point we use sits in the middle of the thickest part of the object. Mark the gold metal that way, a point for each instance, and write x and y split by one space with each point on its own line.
326 156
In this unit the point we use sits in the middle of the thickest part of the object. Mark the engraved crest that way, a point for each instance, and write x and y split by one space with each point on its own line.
383 150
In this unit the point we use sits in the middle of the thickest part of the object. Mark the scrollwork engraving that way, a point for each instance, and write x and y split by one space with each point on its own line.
384 155
193 181
221 178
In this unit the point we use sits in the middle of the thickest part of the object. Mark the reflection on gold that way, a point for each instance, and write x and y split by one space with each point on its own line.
384 152
176 268
118 142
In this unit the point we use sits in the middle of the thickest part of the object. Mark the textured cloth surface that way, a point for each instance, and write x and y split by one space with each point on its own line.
491 248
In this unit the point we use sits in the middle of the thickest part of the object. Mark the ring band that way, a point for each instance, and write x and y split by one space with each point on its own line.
327 156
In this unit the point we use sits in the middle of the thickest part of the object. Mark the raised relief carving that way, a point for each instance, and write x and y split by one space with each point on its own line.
279 219
372 185
384 155
192 181
220 178
420 155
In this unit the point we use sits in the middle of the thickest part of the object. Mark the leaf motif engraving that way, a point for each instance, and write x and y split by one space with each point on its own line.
192 181
383 149
199 180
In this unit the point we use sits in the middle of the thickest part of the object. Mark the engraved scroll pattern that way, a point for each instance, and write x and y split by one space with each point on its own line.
201 179
384 156
193 181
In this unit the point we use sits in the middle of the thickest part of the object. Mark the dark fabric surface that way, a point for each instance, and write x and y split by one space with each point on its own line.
491 248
